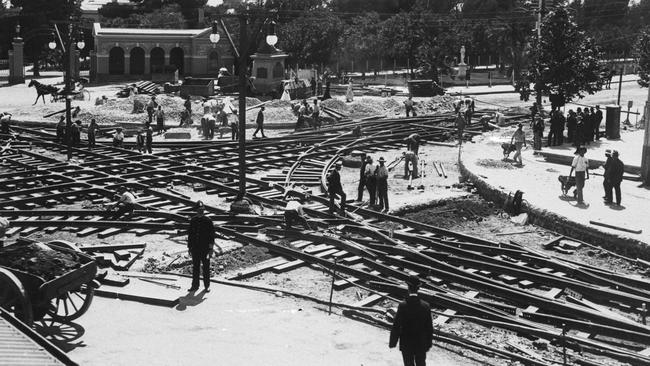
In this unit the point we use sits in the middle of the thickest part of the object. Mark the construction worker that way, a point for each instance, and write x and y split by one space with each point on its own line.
460 125
580 165
362 177
371 180
260 123
408 105
381 175
5 119
148 141
139 142
200 244
413 143
294 212
60 130
334 187
614 177
126 203
118 137
410 165
412 327
92 132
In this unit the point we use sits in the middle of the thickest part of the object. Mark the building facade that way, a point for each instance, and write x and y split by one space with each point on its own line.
133 53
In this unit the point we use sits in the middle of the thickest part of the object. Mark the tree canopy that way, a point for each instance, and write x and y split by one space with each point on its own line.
642 53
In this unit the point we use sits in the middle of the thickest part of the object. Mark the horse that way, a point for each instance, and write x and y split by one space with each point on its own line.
42 90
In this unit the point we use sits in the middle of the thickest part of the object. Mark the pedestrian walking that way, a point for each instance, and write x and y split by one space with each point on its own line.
362 176
211 125
580 165
412 326
118 137
614 178
200 245
92 130
260 123
597 121
381 174
519 139
334 187
160 120
294 212
148 140
408 105
538 133
371 181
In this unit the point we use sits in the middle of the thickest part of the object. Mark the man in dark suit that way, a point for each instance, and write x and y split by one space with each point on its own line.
412 327
200 243
334 187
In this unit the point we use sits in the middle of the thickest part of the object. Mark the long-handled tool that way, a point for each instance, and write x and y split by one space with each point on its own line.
422 174
442 169
167 285
410 170
435 166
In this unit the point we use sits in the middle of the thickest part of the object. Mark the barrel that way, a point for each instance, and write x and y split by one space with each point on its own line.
613 122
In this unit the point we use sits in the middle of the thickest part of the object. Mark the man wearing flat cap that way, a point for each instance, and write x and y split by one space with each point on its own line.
412 326
614 177
200 243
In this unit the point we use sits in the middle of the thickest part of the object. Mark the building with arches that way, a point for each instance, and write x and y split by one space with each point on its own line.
133 53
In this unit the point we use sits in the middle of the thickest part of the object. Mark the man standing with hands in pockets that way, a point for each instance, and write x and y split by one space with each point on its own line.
200 243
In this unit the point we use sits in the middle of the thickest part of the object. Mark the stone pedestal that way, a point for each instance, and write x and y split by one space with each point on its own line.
268 68
16 61
462 70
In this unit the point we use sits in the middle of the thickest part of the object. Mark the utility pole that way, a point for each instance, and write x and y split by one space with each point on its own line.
540 14
243 86
645 157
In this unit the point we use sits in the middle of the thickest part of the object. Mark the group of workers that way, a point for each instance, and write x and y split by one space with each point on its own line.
72 134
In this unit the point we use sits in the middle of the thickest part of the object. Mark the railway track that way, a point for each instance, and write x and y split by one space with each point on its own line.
498 285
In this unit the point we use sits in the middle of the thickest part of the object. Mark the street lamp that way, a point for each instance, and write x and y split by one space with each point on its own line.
67 48
241 204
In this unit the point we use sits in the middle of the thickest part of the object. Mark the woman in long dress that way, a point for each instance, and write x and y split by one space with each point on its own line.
349 94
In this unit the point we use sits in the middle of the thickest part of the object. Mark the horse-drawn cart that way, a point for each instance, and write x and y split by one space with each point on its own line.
38 279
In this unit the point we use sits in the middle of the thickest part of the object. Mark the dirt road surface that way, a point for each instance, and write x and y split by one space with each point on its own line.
232 326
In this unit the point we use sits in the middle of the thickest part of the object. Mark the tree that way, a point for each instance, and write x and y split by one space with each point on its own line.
642 54
564 61
311 38
360 39
165 18
401 36
35 19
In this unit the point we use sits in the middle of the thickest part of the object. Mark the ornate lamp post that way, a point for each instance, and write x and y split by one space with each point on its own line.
68 90
241 203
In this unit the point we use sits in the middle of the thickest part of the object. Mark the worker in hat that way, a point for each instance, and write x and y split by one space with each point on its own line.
412 326
371 180
519 139
125 204
200 245
118 137
293 211
607 166
413 143
334 187
598 118
580 165
362 176
381 174
614 177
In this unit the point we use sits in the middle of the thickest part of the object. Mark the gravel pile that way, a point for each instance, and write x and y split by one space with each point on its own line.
493 163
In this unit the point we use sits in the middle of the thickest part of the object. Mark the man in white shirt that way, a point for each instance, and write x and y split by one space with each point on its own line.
126 203
581 166
294 212
118 138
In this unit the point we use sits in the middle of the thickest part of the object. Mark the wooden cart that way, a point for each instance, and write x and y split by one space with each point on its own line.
64 298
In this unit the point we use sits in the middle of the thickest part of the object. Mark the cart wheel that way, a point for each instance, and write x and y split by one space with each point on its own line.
72 304
13 297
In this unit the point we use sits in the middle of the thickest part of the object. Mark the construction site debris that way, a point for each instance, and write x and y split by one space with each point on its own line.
38 259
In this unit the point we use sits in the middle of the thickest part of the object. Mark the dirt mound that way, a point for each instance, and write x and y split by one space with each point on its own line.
120 109
493 163
439 103
39 260
251 102
454 212
336 105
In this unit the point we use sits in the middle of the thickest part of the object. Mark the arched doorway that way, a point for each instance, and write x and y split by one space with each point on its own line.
116 61
136 63
176 58
213 61
157 60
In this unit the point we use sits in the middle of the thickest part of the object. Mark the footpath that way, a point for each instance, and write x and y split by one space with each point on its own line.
482 163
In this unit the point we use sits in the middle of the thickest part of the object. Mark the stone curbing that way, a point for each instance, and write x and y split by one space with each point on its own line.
549 220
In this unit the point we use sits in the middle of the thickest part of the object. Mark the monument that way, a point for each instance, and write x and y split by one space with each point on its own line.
462 66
